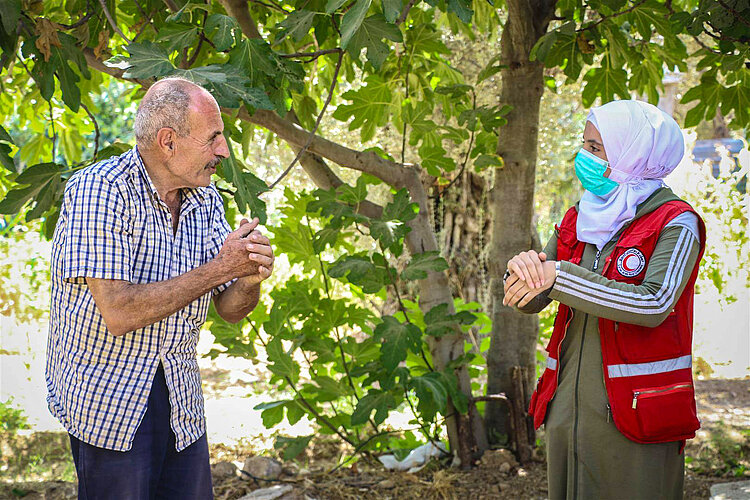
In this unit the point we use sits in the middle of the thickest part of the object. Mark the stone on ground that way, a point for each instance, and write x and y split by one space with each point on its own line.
272 493
223 470
739 490
502 460
262 468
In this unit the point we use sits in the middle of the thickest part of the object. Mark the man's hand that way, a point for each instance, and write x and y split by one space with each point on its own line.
528 267
245 252
253 264
517 291
260 253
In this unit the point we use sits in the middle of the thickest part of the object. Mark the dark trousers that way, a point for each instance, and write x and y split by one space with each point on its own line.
152 468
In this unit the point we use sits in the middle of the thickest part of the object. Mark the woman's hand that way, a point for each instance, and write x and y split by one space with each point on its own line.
527 266
517 291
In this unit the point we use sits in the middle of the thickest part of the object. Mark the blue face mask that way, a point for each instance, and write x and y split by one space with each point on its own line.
590 171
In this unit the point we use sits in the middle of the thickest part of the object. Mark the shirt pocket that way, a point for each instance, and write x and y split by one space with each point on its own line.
666 412
190 249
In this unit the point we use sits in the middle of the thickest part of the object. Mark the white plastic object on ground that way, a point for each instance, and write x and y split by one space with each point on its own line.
417 458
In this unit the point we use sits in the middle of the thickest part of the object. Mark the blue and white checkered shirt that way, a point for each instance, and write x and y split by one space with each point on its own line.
113 225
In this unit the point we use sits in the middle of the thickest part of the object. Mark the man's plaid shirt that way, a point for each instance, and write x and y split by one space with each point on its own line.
113 225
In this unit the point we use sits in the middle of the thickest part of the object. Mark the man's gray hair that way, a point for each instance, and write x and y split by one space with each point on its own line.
165 105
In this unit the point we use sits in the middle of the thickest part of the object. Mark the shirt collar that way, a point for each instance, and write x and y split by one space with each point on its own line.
193 197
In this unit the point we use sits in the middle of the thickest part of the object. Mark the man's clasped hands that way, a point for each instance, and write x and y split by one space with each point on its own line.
248 252
529 274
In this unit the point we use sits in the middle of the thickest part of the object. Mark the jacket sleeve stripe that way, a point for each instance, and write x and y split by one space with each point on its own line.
645 303
688 220
671 279
652 303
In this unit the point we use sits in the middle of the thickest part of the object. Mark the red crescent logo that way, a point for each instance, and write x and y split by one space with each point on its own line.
630 263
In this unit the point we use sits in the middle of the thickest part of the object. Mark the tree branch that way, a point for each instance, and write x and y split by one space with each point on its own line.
112 22
54 133
317 122
703 45
668 5
98 65
80 21
96 129
304 402
314 165
367 162
271 5
736 14
312 55
616 14
720 35
172 5
143 29
197 50
187 62
141 10
468 151
239 11
405 12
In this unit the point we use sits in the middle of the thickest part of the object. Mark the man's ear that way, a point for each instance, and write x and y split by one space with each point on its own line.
165 141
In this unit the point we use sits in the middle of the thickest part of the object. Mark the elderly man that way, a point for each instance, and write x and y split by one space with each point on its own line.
141 246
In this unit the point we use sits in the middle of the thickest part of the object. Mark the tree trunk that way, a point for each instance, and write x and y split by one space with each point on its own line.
466 433
512 204
462 225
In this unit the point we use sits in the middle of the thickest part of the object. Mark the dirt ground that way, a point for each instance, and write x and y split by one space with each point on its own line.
719 453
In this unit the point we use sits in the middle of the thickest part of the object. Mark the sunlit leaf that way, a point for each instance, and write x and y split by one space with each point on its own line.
422 263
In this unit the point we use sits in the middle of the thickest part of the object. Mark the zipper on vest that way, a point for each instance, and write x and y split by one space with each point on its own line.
656 391
576 409
596 260
609 413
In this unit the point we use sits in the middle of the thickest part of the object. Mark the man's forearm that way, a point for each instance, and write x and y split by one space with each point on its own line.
126 306
238 300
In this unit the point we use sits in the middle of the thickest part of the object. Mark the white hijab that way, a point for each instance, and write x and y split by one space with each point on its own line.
643 146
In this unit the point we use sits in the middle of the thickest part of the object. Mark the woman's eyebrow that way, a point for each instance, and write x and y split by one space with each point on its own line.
594 141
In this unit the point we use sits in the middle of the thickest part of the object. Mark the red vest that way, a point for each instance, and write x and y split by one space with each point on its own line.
647 371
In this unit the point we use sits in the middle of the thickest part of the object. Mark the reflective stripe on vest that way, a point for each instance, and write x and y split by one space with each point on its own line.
667 365
551 363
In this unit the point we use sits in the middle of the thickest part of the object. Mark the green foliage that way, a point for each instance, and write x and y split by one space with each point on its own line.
291 447
34 457
725 452
24 273
629 47
11 418
616 48
722 202
248 185
345 366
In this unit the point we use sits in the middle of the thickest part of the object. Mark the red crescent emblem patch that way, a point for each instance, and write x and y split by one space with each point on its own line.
631 263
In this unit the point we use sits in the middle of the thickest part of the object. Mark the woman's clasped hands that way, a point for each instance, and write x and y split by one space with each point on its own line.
529 274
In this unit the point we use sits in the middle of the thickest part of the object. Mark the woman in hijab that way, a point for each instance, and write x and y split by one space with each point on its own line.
617 396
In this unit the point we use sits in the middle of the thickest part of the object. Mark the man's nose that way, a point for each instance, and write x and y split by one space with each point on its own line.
222 148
